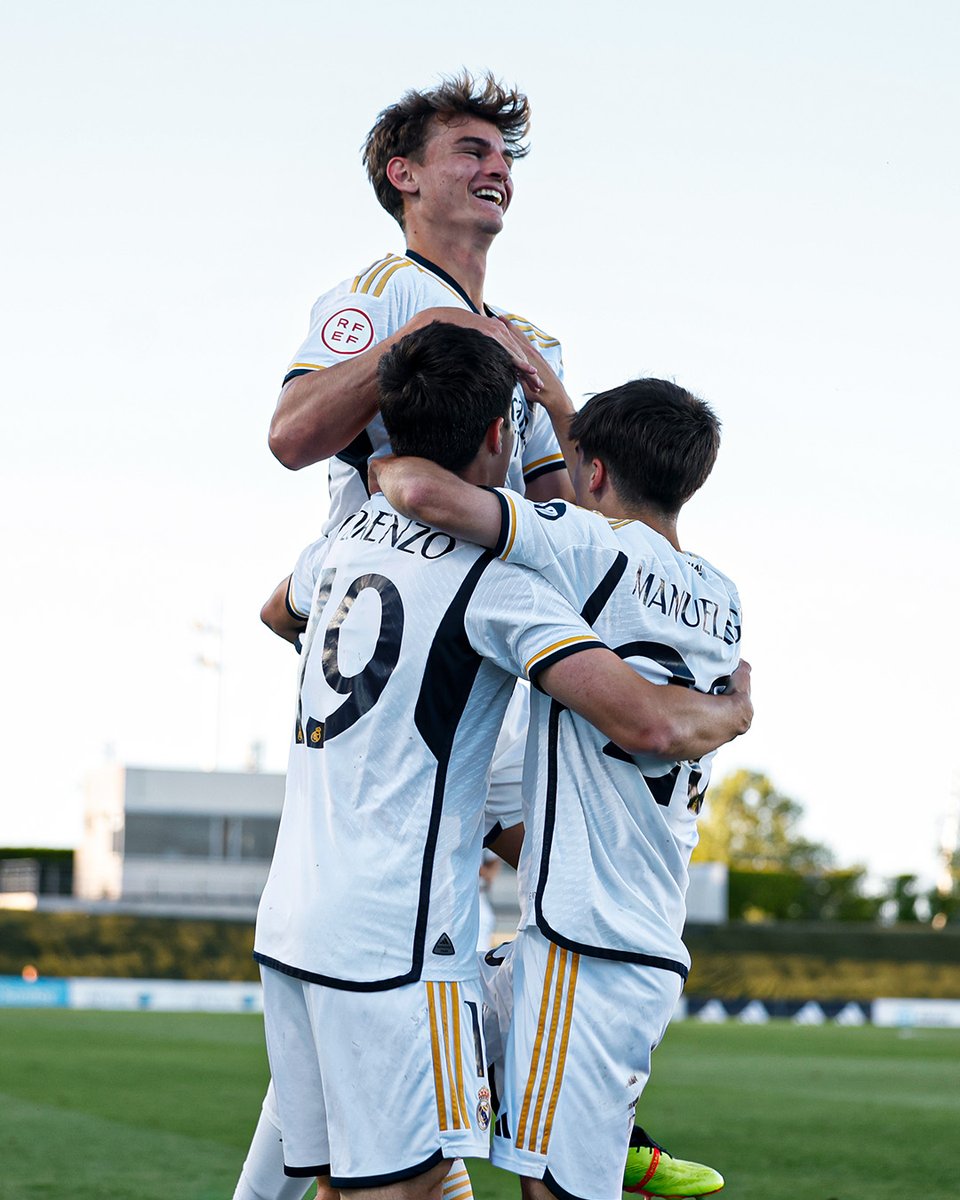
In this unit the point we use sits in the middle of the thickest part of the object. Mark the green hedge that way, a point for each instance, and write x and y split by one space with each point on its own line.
72 944
795 961
786 960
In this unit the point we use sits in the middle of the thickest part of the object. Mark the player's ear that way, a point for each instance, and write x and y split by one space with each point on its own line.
598 476
401 174
495 436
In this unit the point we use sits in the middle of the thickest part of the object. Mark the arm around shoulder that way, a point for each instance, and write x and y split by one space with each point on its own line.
644 717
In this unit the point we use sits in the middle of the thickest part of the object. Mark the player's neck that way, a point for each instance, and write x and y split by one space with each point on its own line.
465 262
663 523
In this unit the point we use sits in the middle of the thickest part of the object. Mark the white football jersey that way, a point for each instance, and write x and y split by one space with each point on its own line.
373 305
409 659
608 835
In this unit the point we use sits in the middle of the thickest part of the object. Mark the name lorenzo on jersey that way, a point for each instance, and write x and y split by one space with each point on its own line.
696 612
399 533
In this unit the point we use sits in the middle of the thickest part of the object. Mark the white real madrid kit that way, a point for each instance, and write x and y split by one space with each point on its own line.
374 305
368 920
599 961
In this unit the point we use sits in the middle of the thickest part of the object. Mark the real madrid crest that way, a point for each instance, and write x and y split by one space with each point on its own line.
483 1108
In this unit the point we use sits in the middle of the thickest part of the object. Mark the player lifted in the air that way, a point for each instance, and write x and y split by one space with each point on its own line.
367 924
440 162
599 962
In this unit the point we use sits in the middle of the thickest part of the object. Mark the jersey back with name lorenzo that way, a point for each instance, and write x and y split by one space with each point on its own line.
609 835
409 659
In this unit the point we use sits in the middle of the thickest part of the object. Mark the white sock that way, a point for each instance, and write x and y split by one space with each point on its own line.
457 1185
262 1177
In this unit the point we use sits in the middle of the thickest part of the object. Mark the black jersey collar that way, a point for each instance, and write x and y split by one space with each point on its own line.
448 279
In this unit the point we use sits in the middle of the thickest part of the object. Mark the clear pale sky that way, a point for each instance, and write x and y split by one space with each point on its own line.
757 200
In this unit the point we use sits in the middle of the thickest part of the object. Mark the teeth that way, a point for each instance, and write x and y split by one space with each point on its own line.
489 194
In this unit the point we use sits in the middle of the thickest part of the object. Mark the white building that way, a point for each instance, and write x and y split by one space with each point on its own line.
164 838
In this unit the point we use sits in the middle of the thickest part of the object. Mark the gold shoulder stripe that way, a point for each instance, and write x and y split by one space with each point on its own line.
382 270
531 331
364 280
391 271
374 266
306 367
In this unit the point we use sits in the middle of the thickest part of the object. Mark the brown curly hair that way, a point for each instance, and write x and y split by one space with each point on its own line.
402 129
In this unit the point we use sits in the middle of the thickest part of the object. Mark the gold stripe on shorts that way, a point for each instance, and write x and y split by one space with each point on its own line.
549 1053
443 1002
437 1064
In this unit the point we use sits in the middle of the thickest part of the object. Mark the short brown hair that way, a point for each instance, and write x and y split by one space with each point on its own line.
402 129
440 387
657 440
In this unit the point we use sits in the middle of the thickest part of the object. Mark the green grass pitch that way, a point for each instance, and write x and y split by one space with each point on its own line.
145 1106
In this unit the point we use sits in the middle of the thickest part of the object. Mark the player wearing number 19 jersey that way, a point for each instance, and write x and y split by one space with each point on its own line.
368 921
599 962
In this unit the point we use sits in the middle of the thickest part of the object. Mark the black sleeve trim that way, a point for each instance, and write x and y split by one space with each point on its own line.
367 1181
299 371
504 521
563 652
294 612
546 469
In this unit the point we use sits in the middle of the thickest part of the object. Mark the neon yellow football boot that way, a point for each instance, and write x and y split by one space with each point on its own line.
652 1172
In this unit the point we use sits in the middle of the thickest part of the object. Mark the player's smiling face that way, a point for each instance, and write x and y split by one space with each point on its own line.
464 175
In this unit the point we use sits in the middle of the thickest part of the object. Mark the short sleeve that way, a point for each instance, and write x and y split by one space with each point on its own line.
522 623
304 578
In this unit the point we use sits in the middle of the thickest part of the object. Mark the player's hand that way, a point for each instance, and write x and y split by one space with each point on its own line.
374 467
739 686
518 348
551 394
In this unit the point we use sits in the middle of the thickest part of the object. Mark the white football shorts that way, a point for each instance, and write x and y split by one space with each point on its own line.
375 1087
577 1058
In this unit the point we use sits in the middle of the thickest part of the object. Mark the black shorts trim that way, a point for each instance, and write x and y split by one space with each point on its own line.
367 1181
305 1172
628 956
492 836
344 985
558 1191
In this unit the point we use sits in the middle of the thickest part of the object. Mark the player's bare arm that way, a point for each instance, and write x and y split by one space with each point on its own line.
644 717
421 489
277 616
321 412
552 396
